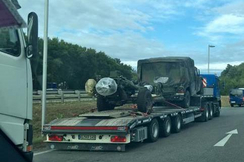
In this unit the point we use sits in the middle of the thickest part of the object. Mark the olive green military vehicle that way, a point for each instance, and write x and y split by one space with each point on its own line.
166 79
177 78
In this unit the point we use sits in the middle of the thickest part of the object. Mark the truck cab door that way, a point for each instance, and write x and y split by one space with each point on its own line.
13 84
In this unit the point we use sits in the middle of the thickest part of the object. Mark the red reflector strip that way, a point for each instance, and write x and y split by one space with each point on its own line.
84 128
118 139
55 138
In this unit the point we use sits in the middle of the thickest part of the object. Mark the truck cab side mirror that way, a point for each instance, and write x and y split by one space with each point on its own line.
32 35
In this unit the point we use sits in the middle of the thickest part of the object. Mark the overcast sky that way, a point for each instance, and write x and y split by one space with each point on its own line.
137 29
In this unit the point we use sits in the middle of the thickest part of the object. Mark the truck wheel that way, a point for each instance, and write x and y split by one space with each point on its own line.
231 105
210 110
153 131
165 127
144 100
102 104
187 99
176 124
239 105
205 114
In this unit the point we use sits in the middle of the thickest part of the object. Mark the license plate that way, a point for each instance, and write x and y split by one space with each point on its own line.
233 101
86 137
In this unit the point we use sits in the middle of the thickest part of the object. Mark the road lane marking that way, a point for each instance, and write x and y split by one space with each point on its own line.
43 152
222 142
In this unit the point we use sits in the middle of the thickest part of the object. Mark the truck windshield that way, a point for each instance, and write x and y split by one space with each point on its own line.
167 70
9 42
236 93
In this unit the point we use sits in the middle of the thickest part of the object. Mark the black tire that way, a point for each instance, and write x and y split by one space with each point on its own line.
153 131
232 105
239 105
187 99
217 111
205 114
165 127
210 110
176 124
144 100
102 104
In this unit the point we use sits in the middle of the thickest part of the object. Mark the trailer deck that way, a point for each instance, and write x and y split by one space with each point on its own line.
103 130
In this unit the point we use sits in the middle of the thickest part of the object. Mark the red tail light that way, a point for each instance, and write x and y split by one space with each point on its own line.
118 139
55 138
243 99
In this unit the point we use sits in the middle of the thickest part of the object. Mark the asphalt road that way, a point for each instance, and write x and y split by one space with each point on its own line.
195 143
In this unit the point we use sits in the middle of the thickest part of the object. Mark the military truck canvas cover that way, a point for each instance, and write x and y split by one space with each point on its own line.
172 69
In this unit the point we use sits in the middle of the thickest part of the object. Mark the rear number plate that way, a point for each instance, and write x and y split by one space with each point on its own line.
86 137
233 101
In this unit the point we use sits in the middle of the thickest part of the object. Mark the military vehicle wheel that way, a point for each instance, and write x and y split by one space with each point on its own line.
187 99
144 100
102 104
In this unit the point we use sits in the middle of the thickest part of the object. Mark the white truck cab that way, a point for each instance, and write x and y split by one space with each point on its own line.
16 82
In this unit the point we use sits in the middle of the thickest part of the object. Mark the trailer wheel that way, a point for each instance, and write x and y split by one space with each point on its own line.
239 105
187 99
153 131
232 105
165 127
210 109
144 100
176 124
102 104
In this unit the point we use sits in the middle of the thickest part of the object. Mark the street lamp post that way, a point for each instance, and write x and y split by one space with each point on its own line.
209 46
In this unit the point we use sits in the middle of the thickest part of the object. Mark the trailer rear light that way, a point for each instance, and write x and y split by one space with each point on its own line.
243 99
88 128
55 138
118 139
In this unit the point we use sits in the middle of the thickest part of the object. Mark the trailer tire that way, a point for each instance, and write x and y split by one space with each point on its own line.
239 105
232 105
210 110
176 124
144 100
153 131
165 127
102 104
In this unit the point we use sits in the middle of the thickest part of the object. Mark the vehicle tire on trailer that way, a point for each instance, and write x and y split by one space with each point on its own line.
232 105
144 100
187 99
239 105
176 124
165 127
153 131
102 104
210 110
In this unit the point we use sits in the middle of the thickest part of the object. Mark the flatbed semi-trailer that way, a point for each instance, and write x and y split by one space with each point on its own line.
113 129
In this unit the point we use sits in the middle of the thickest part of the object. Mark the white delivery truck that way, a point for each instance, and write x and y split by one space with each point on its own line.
16 76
